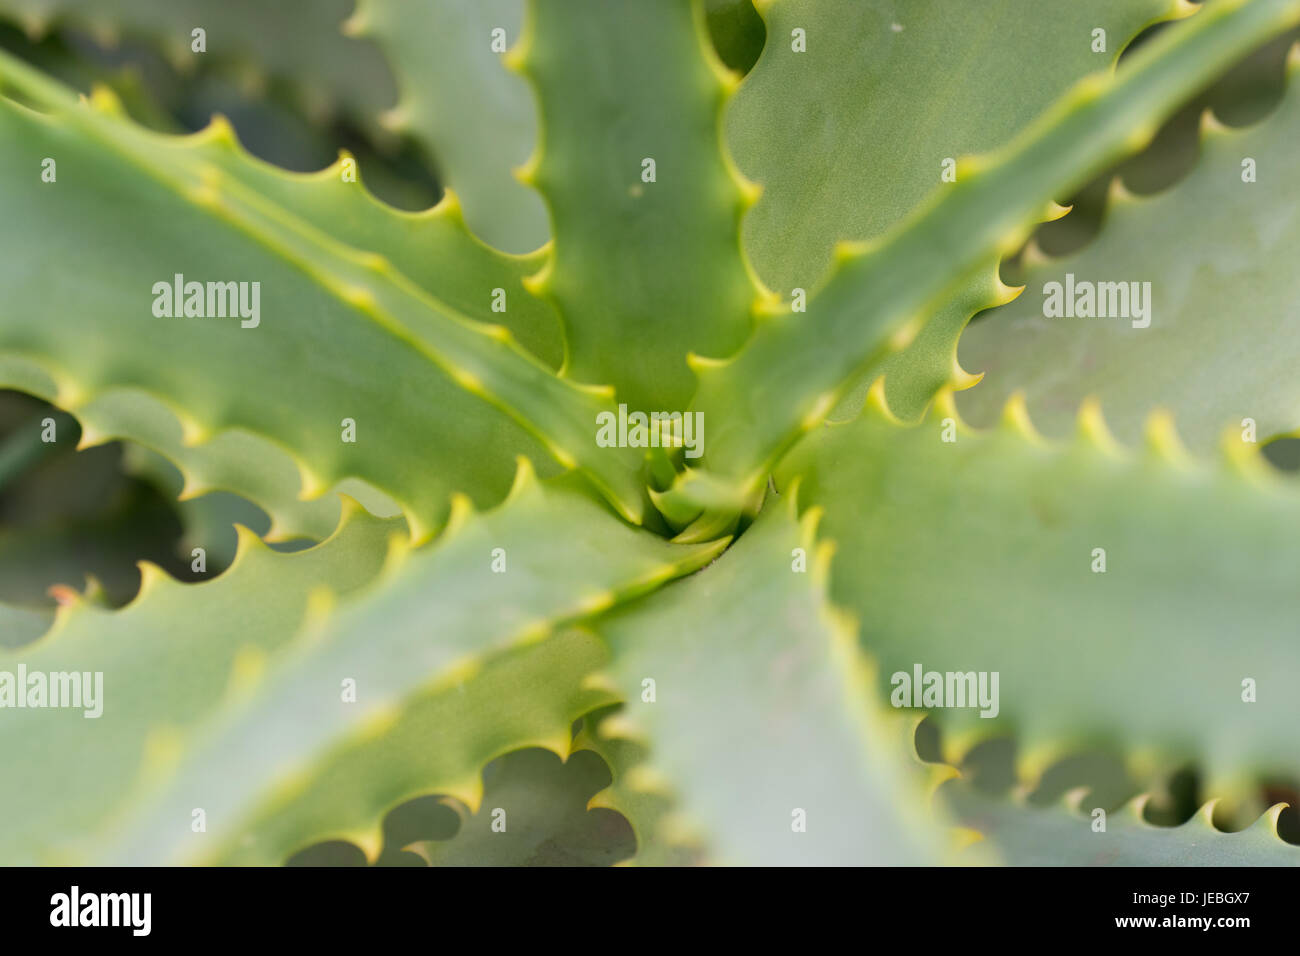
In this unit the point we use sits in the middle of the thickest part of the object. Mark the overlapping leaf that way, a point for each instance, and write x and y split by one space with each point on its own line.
342 297
1218 342
985 554
261 716
643 271
798 365
1067 835
474 117
645 804
299 42
167 660
850 133
757 710
849 136
294 762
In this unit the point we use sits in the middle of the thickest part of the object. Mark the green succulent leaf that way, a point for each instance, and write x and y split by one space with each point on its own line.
22 625
237 462
473 116
524 656
495 583
879 83
797 365
1131 571
203 208
439 742
1218 344
637 799
1024 835
848 136
167 660
299 42
621 85
761 719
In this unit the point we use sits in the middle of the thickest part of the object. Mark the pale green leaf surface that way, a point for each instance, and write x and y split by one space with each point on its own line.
431 622
22 625
363 323
762 707
643 272
476 118
1063 835
647 810
208 520
1147 657
528 697
235 461
797 365
167 660
850 135
297 41
1220 255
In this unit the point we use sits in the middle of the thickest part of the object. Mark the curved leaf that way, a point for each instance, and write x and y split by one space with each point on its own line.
849 135
797 365
290 762
761 720
1064 836
1219 343
643 804
1147 590
205 210
167 661
298 41
620 83
475 118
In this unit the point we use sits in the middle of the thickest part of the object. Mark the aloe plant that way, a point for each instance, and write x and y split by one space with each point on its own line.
643 446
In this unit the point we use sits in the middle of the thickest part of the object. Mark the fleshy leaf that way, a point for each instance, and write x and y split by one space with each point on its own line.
1132 575
204 209
439 742
474 117
849 135
1218 343
22 625
167 660
759 716
623 84
797 365
633 794
276 770
299 42
1063 835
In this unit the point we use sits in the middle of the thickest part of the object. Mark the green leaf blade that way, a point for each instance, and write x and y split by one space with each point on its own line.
876 298
620 83
1150 656
760 712
1219 344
